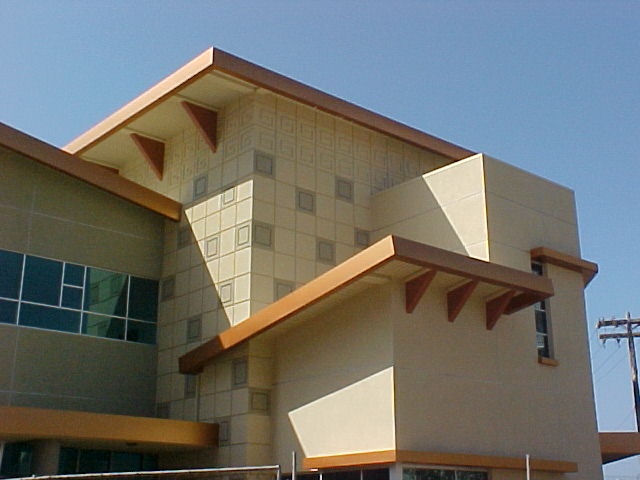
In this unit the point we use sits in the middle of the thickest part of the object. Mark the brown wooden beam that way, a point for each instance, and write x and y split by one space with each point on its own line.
457 297
153 152
496 307
414 289
206 122
522 300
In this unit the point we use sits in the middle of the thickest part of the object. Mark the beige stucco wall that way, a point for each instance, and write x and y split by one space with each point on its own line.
333 390
49 214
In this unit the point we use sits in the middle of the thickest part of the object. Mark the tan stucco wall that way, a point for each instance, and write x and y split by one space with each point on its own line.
333 390
46 213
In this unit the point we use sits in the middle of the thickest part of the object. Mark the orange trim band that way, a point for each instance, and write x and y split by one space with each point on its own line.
93 174
587 269
38 423
618 445
436 458
533 287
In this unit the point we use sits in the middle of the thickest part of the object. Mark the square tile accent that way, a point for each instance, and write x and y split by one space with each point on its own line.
229 195
240 371
212 246
306 201
226 292
243 235
362 238
282 288
194 329
184 237
344 189
326 251
263 234
163 410
199 187
168 288
264 163
259 401
190 386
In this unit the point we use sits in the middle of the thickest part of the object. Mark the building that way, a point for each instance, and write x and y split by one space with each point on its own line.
235 266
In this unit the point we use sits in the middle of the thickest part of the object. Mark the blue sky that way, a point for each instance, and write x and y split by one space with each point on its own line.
551 87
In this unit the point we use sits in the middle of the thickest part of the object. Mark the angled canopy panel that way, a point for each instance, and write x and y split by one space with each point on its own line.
457 298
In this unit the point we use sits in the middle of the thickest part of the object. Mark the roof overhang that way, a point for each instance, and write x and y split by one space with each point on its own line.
96 175
587 269
505 290
105 431
616 446
211 80
437 458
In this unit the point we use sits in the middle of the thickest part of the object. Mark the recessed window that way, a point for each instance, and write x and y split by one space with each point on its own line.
362 238
344 189
243 235
306 201
264 163
194 329
326 251
226 293
240 367
283 288
263 234
184 237
259 401
10 274
224 430
168 288
190 386
199 187
212 245
543 322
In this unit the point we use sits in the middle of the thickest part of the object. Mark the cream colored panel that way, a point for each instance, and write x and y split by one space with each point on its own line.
357 418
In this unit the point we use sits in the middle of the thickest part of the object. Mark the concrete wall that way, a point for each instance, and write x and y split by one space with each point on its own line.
50 214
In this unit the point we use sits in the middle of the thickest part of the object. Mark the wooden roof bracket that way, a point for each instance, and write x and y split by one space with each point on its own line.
206 122
415 288
457 298
153 152
496 307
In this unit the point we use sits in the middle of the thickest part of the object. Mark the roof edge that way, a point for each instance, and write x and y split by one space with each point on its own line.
216 59
101 177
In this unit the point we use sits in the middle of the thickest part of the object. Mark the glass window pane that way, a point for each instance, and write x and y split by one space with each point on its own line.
143 299
49 318
8 311
93 461
71 297
73 274
464 475
541 322
141 332
16 459
68 461
102 326
376 474
105 292
42 278
10 273
125 462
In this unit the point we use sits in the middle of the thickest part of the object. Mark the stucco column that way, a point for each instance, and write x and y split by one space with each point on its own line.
45 458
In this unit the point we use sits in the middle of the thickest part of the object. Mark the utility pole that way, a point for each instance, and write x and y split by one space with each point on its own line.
628 323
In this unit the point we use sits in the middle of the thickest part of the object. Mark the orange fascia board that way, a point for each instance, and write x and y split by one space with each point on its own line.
93 174
437 459
587 269
214 59
616 446
390 248
74 426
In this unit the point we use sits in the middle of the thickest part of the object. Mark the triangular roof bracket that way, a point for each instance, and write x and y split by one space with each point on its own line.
457 298
416 288
206 122
496 307
152 151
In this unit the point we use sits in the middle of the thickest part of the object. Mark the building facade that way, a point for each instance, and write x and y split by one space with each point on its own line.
235 266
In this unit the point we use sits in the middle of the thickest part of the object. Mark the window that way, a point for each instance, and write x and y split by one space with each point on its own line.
16 460
543 337
74 460
55 295
443 474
